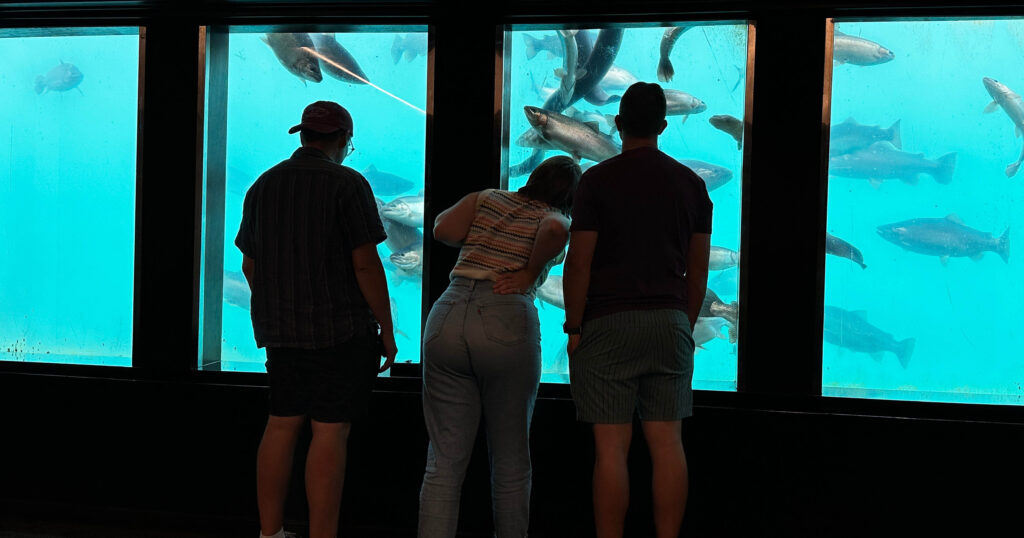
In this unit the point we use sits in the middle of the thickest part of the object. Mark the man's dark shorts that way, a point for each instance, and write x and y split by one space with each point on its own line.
328 385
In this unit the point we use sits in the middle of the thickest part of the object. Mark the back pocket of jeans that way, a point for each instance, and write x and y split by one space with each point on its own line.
435 320
505 323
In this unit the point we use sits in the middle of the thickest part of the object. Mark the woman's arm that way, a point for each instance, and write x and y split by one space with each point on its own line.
452 225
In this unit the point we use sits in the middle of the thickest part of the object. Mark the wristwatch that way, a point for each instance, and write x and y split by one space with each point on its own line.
571 330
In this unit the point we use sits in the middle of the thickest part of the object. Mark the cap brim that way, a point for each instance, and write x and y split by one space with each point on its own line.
295 129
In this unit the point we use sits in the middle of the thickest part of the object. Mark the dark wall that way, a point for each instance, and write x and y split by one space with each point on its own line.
164 441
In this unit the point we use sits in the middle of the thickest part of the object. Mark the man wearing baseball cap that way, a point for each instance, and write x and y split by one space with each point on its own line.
309 237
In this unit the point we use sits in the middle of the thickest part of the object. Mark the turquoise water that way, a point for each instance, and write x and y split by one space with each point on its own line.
264 100
67 197
962 315
710 64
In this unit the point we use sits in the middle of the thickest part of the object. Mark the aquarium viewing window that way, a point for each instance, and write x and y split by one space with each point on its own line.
922 294
704 68
68 153
258 81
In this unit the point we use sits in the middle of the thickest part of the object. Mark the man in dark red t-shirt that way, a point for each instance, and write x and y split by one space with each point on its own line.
634 280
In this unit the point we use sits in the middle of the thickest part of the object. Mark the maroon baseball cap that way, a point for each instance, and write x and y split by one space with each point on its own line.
324 117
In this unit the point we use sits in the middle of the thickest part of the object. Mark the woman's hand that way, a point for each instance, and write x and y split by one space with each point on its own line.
516 282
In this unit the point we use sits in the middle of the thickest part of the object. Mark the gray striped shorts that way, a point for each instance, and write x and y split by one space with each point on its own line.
638 360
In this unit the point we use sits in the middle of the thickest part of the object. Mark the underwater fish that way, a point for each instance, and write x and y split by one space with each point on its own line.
680 103
236 290
722 258
401 237
582 141
606 48
410 46
714 176
569 72
714 307
707 329
945 238
729 125
528 165
533 139
408 263
851 330
596 96
882 160
617 79
548 43
1011 103
61 78
668 40
551 291
842 249
606 121
848 49
337 61
295 52
407 210
850 136
384 183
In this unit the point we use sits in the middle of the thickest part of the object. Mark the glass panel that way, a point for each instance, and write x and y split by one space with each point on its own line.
67 209
380 77
921 294
710 62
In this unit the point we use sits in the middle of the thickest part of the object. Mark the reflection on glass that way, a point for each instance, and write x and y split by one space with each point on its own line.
921 294
562 97
381 79
67 210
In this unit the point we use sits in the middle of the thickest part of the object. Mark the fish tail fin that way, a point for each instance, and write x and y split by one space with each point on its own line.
531 46
904 349
665 70
944 171
894 135
410 55
1003 247
40 84
1011 169
396 49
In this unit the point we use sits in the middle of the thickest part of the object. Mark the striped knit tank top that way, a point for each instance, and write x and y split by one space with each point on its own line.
501 237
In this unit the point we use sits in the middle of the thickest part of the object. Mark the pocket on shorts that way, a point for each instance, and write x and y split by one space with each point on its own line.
505 323
436 318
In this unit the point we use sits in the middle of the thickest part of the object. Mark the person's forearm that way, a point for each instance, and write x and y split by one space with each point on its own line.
549 243
374 285
696 288
575 282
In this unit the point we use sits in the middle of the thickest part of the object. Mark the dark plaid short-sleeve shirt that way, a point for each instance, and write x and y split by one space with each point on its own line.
300 222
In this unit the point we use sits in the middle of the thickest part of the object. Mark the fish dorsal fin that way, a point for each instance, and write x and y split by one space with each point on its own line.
560 72
850 120
594 126
954 218
862 314
372 168
991 107
570 111
580 73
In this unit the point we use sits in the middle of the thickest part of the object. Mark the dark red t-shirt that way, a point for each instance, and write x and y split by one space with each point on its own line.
644 205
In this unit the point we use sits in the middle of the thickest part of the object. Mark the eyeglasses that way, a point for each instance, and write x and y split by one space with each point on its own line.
349 148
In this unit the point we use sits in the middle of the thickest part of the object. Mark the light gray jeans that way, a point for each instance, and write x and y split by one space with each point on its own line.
481 355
